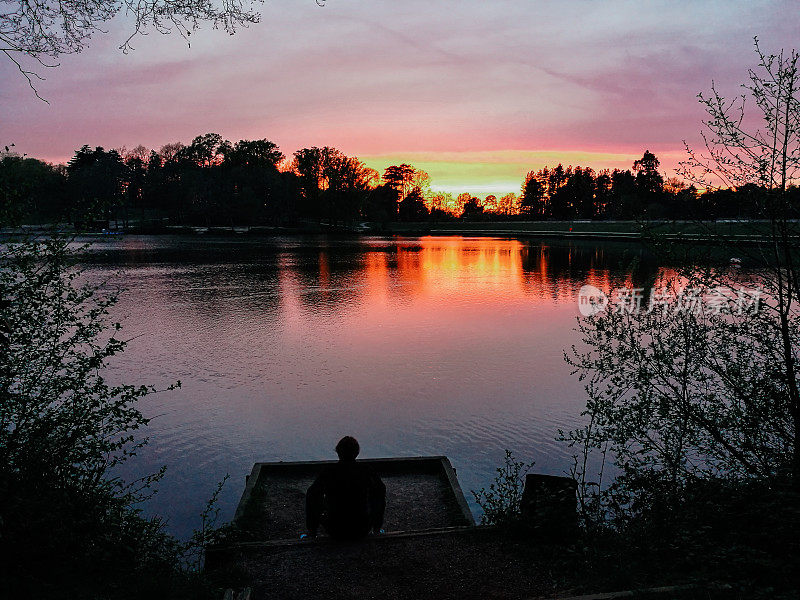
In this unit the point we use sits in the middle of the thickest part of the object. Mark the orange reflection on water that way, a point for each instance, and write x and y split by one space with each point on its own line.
490 268
442 267
450 277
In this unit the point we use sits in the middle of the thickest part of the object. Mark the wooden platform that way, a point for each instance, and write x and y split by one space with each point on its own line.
422 493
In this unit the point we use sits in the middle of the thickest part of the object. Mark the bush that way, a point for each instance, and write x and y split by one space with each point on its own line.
68 526
501 502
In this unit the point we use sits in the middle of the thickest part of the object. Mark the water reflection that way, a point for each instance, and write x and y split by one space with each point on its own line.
414 345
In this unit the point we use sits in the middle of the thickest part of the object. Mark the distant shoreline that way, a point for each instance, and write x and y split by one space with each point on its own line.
724 230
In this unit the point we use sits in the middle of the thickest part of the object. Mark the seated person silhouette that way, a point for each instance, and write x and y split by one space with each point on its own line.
347 498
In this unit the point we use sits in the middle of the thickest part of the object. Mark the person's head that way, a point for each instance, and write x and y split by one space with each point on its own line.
347 448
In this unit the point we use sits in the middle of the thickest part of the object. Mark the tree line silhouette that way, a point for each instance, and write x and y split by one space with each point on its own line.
213 181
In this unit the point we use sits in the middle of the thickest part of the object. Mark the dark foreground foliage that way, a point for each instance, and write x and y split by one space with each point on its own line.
740 538
69 527
688 466
67 541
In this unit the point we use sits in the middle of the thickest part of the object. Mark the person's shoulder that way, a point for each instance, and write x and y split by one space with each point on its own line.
326 472
368 470
331 469
356 468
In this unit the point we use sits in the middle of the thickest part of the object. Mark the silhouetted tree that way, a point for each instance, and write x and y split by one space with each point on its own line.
170 151
136 175
250 181
490 204
204 151
472 209
381 204
602 193
508 205
412 207
333 184
213 181
31 190
255 153
581 188
95 181
648 180
533 198
561 199
405 178
308 164
399 178
347 185
461 202
625 203
441 204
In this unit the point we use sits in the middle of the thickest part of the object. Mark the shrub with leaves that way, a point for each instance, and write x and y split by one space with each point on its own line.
677 395
69 527
501 501
695 403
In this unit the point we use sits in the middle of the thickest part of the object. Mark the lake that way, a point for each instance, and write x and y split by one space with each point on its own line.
416 346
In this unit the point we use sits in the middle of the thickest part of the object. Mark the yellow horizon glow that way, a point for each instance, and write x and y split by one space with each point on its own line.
501 172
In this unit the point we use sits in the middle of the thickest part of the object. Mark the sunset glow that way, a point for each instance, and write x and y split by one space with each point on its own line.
474 93
531 263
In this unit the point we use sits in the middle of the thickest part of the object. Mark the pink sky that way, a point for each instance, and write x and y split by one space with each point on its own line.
477 92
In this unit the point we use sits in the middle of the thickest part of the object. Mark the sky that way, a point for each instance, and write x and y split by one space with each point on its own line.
476 93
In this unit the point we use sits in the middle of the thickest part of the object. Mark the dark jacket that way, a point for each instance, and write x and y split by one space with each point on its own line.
352 497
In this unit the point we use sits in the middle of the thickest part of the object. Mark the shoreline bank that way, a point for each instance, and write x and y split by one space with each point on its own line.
733 231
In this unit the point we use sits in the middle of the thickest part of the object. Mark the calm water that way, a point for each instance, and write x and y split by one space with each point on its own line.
414 345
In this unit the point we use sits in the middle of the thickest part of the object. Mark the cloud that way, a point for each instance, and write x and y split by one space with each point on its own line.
389 78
